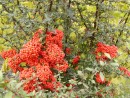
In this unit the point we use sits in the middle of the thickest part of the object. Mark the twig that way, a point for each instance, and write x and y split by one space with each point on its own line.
14 19
37 8
123 18
125 21
92 38
69 3
50 8
19 5
17 94
96 16
8 41
82 18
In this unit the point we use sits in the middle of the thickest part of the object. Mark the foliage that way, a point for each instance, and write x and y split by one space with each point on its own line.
84 23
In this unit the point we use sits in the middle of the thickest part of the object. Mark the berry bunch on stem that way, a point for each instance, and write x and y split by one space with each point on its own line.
40 61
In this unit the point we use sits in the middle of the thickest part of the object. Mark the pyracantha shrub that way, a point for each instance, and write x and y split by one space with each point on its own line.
41 60
43 57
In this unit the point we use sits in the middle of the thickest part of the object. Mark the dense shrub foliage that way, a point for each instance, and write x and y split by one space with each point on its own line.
64 48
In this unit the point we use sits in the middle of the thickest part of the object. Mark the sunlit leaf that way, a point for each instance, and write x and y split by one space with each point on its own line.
107 55
5 66
8 95
102 63
1 75
102 76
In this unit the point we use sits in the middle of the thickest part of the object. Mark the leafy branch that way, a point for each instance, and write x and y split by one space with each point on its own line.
9 41
16 93
14 19
49 10
37 9
80 13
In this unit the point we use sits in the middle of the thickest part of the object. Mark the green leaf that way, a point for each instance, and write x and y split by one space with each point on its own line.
89 69
31 94
15 96
93 81
107 55
1 75
23 64
8 95
115 64
72 36
128 45
19 85
79 83
72 81
85 85
5 66
102 76
102 63
80 73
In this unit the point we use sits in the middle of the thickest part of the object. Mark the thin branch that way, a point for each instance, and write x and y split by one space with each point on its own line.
68 20
92 38
125 21
18 3
50 8
37 8
56 10
96 22
14 19
8 41
96 16
17 94
82 18
69 3
123 18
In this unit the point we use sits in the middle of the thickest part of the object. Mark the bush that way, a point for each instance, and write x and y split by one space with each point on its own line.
61 48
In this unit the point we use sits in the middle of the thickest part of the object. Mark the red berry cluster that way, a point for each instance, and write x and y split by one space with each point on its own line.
8 54
99 79
14 63
76 60
125 71
40 59
54 37
68 50
102 49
